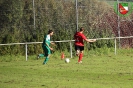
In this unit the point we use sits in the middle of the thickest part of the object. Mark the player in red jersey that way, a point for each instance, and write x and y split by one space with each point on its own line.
79 43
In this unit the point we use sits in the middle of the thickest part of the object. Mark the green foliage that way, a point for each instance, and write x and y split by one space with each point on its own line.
17 24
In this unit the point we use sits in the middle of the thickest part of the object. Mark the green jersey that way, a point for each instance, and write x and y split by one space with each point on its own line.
46 40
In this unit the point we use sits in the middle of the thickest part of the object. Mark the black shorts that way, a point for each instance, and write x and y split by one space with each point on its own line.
81 48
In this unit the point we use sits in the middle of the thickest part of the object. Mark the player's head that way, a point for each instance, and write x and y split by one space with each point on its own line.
81 29
50 32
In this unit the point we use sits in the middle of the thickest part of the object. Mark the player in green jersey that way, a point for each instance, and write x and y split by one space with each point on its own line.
46 45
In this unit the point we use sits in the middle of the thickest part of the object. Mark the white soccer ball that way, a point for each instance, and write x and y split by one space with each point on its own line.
67 60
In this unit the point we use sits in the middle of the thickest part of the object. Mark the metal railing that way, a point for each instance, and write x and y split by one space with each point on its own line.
27 43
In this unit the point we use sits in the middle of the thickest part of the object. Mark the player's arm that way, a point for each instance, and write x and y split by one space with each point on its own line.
48 46
91 40
88 40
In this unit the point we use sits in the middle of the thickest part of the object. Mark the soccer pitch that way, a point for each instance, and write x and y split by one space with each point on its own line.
96 71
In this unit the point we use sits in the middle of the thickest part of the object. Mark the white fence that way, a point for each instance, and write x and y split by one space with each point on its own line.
27 43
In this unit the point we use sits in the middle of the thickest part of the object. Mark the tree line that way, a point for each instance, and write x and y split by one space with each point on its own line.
17 23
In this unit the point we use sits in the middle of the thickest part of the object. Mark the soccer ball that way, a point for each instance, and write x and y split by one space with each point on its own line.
67 60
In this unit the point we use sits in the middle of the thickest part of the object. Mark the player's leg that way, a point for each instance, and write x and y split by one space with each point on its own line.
46 59
77 49
77 52
40 55
81 54
47 54
80 57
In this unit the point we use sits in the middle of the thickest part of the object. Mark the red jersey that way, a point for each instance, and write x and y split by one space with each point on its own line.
79 39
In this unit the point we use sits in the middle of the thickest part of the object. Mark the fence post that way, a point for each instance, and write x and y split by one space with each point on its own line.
71 49
115 46
26 51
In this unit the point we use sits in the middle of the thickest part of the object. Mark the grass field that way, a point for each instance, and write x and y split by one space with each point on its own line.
96 71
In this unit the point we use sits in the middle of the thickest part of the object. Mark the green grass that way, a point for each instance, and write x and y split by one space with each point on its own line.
96 71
